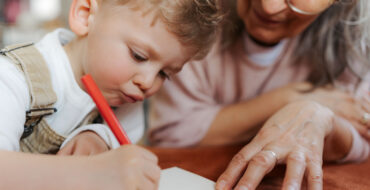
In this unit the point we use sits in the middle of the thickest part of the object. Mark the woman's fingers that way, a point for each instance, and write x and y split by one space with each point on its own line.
261 164
295 136
314 168
351 108
363 130
362 111
365 103
314 175
296 165
236 167
365 119
363 114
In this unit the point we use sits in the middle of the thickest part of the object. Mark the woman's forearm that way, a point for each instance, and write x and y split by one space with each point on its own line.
239 122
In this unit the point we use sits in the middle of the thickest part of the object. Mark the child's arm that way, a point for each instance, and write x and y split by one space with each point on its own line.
131 117
128 167
88 140
85 143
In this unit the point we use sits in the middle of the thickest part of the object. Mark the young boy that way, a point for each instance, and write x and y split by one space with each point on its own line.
129 47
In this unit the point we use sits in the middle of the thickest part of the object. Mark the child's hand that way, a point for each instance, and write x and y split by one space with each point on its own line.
85 143
128 167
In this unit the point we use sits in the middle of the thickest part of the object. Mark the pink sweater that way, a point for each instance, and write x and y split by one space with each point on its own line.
182 111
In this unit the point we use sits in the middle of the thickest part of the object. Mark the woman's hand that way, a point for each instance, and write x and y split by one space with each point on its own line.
344 104
293 136
85 143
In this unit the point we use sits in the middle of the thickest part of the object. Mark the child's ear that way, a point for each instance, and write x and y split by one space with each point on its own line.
81 15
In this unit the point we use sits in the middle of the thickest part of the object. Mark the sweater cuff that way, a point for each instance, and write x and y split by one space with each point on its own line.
360 148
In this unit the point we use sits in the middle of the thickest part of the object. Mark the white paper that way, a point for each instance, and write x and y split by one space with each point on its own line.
178 179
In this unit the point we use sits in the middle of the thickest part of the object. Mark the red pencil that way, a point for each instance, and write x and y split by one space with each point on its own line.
105 109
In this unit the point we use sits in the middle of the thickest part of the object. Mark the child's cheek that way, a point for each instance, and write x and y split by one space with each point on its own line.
118 72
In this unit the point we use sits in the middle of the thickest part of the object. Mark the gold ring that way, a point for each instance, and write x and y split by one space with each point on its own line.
273 154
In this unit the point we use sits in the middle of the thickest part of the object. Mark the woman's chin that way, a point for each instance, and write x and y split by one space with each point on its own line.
264 36
265 40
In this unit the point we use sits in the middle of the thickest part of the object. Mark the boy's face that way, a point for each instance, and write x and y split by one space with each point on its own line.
130 54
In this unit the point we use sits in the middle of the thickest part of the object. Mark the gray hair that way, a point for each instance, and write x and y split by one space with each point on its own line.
336 40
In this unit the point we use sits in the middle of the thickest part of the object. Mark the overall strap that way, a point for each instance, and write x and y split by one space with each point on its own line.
30 61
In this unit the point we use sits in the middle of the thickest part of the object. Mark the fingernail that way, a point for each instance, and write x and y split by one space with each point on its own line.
221 185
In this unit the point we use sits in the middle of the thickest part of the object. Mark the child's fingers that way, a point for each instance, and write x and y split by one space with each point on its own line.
145 184
67 150
149 156
151 171
82 150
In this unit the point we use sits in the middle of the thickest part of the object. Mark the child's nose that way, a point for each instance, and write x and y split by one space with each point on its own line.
145 80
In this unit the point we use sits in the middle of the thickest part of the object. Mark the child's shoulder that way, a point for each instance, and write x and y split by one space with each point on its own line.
6 65
12 81
9 73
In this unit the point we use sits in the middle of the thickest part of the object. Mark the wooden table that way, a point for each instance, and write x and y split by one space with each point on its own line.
210 162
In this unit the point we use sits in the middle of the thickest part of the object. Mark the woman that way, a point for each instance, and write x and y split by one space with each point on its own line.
257 70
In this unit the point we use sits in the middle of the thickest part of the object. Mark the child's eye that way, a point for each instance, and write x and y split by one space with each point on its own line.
164 75
137 57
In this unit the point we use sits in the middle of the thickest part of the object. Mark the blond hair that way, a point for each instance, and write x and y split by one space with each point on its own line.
194 22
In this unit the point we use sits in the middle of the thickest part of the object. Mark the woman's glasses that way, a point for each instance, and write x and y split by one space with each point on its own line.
313 7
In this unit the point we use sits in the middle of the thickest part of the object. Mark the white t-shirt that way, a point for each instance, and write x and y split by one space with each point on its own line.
73 104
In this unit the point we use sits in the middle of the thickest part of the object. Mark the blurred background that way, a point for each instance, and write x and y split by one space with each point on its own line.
28 20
